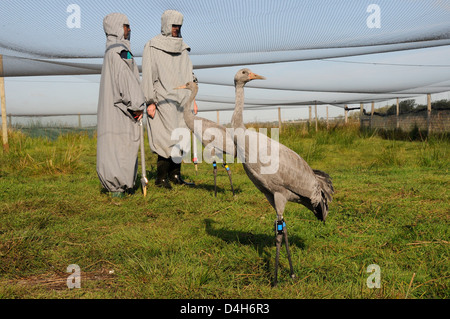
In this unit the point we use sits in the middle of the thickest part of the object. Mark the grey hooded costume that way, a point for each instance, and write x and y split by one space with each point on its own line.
120 94
165 66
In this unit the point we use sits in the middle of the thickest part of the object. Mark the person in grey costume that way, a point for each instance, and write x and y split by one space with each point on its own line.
120 107
165 66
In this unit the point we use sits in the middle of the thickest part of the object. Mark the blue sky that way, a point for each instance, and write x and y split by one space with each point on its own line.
317 45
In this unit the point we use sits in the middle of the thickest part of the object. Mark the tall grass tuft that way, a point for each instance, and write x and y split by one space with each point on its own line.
434 153
40 156
393 154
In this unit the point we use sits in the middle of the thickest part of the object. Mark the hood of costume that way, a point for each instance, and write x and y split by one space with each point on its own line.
113 27
165 41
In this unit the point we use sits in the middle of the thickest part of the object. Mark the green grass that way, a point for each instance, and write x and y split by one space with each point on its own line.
391 208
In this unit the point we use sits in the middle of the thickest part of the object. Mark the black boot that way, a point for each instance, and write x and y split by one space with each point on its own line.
175 174
162 169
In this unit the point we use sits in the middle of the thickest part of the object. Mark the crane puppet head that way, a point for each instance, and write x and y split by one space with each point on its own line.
245 75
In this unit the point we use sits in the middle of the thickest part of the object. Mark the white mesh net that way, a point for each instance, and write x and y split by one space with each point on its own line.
324 52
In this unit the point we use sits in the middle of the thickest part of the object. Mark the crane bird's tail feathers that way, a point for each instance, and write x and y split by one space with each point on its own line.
327 190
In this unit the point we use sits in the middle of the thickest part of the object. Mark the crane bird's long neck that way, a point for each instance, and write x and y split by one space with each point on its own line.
237 119
188 110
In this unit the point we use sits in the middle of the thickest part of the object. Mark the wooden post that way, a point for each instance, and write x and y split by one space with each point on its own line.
315 111
10 120
279 118
79 120
310 118
346 114
371 114
3 102
361 112
428 114
398 112
328 126
218 122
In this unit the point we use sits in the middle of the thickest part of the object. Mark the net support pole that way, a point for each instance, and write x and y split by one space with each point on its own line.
310 116
279 118
428 114
315 112
361 112
218 120
328 125
346 114
372 110
3 102
397 115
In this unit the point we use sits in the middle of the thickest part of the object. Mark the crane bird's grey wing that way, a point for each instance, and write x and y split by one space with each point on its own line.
281 170
313 188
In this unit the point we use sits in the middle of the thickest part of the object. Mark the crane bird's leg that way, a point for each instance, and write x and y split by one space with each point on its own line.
215 177
225 165
279 238
281 231
286 242
213 153
278 201
194 159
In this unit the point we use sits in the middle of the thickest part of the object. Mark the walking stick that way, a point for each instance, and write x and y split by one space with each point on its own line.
144 180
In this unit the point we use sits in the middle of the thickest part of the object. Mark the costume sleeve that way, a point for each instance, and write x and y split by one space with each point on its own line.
147 79
131 96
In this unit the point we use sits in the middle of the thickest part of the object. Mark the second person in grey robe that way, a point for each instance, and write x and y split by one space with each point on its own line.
120 103
165 66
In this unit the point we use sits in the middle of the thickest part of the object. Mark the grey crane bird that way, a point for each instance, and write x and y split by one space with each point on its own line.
285 177
213 135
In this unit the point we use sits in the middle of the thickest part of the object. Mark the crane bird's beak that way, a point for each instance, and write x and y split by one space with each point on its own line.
254 76
180 87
